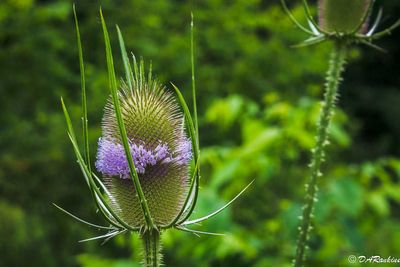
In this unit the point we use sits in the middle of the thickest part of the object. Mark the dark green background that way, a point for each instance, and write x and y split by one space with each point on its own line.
258 103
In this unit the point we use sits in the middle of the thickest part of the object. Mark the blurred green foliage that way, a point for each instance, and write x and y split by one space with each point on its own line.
258 102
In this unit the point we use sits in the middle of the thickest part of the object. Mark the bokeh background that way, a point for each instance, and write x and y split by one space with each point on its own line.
259 100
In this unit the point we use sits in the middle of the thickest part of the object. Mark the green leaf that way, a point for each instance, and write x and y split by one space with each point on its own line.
100 201
196 232
311 41
125 59
293 19
193 137
83 88
189 197
121 126
218 210
189 121
106 236
195 120
83 221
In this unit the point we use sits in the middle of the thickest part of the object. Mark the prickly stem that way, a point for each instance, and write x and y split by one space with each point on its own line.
333 79
151 248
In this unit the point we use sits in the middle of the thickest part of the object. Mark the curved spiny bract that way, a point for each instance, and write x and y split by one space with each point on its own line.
160 150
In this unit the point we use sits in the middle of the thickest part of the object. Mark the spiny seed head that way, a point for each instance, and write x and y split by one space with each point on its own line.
342 16
160 151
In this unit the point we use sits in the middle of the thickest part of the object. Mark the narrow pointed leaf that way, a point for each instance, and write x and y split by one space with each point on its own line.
188 198
125 59
189 121
376 23
293 19
135 70
83 89
149 77
88 178
68 119
95 189
111 234
122 130
311 18
198 232
192 135
71 131
83 221
373 46
100 183
195 120
311 41
312 27
110 237
219 210
141 72
385 32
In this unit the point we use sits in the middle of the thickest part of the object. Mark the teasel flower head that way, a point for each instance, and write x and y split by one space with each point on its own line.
159 147
147 157
342 21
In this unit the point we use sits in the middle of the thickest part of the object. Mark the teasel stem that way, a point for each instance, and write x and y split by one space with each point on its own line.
151 246
333 79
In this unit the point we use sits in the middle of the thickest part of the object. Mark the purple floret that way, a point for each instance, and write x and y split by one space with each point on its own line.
184 151
161 152
111 158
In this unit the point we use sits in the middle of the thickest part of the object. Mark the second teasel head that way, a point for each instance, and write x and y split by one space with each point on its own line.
160 149
343 16
345 22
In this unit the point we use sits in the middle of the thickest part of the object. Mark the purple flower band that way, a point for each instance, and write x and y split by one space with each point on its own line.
111 159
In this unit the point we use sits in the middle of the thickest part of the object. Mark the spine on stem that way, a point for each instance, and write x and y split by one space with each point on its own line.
333 79
151 248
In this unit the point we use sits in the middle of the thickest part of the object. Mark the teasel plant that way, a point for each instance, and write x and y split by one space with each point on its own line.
149 167
344 23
